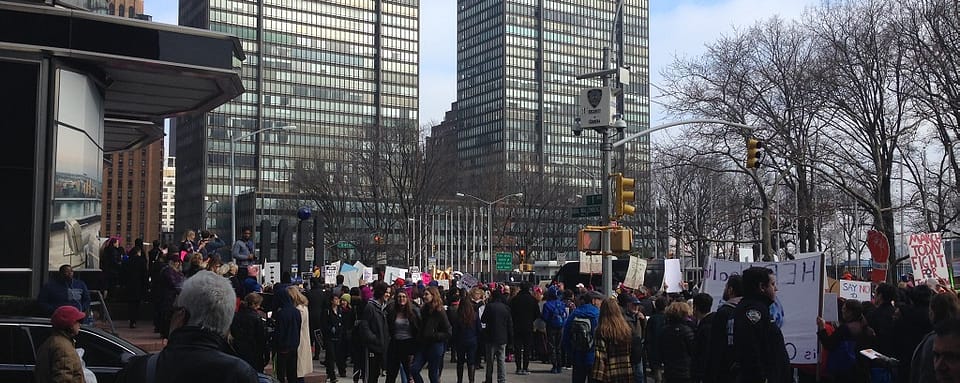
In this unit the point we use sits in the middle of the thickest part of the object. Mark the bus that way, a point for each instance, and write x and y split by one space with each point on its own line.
570 275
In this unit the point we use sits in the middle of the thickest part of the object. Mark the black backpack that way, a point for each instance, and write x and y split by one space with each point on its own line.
581 334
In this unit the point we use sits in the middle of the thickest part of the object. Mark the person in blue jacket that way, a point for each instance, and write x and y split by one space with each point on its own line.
554 314
582 358
64 290
286 337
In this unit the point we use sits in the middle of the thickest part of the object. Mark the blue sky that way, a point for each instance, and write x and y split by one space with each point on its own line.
678 28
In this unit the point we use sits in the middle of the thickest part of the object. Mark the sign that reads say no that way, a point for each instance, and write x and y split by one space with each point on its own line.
855 290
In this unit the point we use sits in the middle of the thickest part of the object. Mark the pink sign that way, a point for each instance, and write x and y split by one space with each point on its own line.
926 256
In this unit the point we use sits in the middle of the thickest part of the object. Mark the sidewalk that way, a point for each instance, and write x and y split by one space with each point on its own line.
144 337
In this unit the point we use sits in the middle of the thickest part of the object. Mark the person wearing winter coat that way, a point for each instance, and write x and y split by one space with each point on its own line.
286 337
614 344
434 332
497 324
525 311
404 323
677 344
583 359
554 313
57 358
844 343
133 280
331 326
373 332
63 290
304 354
465 324
249 333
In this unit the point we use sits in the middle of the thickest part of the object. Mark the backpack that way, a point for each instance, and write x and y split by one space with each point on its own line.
843 358
581 334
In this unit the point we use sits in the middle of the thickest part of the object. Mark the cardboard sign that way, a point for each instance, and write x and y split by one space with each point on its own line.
635 273
855 290
591 264
798 284
927 258
672 276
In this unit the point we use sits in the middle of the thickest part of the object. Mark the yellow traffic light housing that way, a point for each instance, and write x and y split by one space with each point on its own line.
588 240
624 194
754 153
621 240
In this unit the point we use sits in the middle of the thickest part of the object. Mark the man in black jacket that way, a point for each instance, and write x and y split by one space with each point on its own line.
374 332
721 364
757 341
197 349
702 303
525 310
498 332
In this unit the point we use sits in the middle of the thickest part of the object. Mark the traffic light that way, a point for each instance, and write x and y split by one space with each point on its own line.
377 239
523 255
754 153
621 240
588 240
623 195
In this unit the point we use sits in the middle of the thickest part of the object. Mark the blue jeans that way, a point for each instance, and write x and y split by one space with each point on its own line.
498 353
432 356
638 373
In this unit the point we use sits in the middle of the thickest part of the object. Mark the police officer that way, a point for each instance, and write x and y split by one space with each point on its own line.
760 351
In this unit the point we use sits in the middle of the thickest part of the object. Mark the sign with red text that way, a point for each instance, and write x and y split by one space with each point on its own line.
926 256
855 290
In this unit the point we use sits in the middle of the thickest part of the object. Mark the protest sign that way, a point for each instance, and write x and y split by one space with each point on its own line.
855 290
467 281
831 310
591 264
391 274
368 275
444 283
926 256
270 274
415 275
672 276
798 283
352 278
746 254
330 274
635 273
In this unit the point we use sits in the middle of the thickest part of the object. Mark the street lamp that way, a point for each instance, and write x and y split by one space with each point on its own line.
233 170
593 177
490 223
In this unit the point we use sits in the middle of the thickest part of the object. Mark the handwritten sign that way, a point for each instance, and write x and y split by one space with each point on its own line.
368 275
926 256
467 281
635 273
855 290
591 264
330 274
798 284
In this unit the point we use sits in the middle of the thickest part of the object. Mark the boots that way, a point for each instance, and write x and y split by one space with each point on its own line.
459 373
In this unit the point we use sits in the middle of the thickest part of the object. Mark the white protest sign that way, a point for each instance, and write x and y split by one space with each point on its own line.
352 278
831 310
746 254
330 274
798 284
855 290
926 256
591 264
391 274
672 276
368 275
635 273
270 274
443 283
414 274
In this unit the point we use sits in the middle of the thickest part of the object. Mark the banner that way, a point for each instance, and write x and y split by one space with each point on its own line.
591 264
799 286
672 276
635 273
926 257
855 290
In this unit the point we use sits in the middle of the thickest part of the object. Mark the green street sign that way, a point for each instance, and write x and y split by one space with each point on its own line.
594 199
585 211
345 245
504 261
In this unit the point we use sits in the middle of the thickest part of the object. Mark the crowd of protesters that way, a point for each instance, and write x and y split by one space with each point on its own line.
403 329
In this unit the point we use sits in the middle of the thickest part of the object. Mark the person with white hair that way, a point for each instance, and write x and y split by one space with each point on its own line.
197 349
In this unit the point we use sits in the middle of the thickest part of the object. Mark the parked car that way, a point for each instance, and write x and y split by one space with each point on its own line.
20 337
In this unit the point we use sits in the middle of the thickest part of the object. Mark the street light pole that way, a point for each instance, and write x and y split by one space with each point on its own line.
490 223
233 170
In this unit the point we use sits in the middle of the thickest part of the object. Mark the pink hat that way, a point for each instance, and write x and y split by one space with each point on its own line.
252 271
65 317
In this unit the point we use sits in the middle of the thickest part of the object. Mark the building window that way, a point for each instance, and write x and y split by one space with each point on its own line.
123 12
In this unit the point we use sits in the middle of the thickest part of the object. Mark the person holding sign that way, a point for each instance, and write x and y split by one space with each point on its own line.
853 335
758 343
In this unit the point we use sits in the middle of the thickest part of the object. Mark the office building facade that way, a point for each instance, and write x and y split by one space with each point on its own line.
341 72
168 209
517 92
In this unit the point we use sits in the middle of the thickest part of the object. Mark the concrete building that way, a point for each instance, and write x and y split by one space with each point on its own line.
168 207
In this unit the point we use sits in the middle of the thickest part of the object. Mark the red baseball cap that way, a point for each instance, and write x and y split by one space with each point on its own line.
66 316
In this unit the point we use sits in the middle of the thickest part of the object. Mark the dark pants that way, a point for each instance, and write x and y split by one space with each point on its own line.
522 349
374 365
580 372
554 347
431 355
400 355
334 361
133 310
287 366
466 355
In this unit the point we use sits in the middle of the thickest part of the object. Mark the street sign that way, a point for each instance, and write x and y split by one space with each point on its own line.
594 199
586 211
345 245
308 254
504 261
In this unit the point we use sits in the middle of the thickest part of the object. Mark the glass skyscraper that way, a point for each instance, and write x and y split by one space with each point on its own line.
340 71
517 91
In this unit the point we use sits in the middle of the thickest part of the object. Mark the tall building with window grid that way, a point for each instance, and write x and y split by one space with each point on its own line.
517 91
337 70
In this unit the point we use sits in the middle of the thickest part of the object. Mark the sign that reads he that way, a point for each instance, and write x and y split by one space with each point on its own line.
855 290
636 270
504 261
798 290
926 256
597 107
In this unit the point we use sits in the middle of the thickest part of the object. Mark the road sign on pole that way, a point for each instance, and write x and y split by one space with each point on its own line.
593 199
504 261
586 211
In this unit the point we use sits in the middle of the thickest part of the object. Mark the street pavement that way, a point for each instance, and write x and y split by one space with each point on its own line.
144 337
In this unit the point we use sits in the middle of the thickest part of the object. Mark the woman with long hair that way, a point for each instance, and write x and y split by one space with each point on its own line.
466 332
304 353
613 339
403 320
248 332
434 332
677 344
